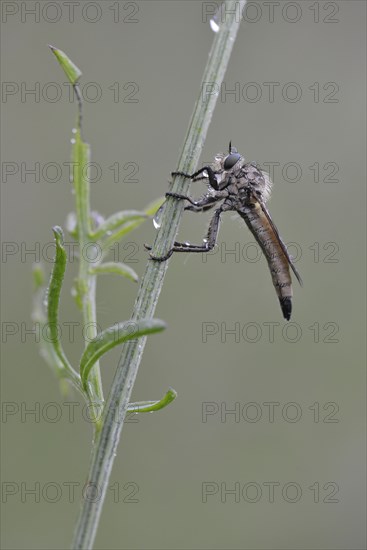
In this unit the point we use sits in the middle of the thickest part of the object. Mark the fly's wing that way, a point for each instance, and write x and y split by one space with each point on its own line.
280 242
258 220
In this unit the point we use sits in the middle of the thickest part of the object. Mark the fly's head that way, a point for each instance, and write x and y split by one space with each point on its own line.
226 164
231 159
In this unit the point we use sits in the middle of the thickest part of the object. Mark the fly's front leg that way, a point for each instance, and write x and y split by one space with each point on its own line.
212 179
207 245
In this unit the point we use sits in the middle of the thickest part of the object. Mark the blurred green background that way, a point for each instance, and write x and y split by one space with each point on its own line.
171 482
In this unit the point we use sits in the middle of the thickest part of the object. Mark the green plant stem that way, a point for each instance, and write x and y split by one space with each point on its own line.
86 280
105 445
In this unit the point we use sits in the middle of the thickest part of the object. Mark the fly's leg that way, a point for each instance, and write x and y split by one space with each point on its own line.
204 208
207 245
212 179
196 178
197 206
201 205
179 196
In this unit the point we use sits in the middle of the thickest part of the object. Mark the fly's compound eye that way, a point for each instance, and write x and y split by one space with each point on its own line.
231 160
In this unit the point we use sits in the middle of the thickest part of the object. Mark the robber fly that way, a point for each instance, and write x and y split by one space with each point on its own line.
244 188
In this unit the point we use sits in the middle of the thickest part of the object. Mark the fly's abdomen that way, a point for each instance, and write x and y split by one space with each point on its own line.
264 234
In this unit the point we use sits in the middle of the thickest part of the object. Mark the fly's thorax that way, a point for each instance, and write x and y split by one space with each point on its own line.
258 179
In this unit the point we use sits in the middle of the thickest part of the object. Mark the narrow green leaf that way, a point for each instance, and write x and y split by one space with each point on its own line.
151 406
54 288
115 267
150 210
152 207
70 69
52 350
111 337
118 219
53 355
